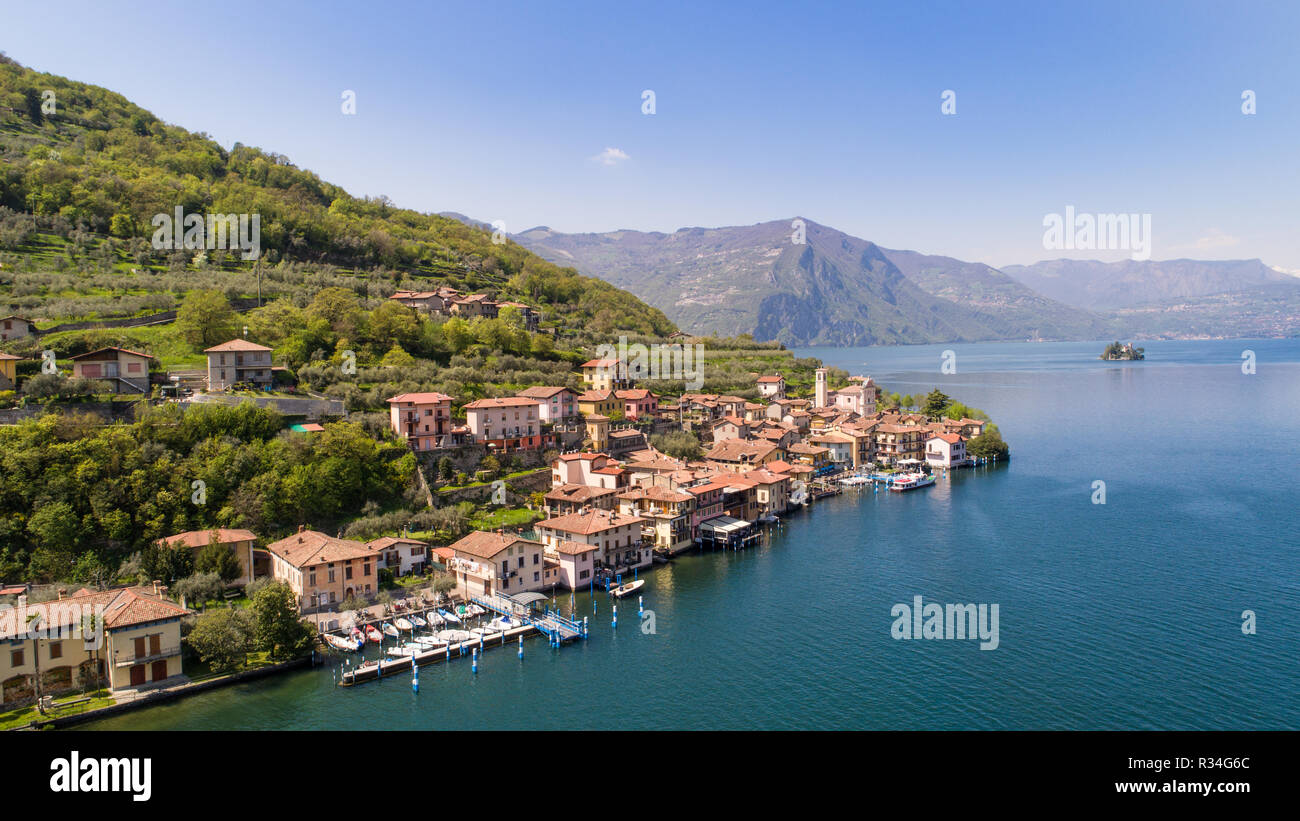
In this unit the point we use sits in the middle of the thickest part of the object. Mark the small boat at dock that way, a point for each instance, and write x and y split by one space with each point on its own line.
455 635
474 610
417 621
341 643
390 630
911 481
403 624
373 634
449 617
627 589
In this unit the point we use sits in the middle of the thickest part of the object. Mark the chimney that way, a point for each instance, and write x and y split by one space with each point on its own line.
63 593
157 587
300 529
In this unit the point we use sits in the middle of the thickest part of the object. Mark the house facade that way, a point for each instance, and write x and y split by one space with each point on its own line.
240 542
488 563
324 570
127 371
422 419
238 361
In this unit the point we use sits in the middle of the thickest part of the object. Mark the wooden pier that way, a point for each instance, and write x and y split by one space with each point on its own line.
375 669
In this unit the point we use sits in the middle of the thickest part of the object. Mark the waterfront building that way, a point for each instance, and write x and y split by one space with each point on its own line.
323 570
487 563
946 450
666 513
617 537
124 638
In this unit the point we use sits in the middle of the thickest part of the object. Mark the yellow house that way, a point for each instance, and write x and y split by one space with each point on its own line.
8 371
123 638
599 403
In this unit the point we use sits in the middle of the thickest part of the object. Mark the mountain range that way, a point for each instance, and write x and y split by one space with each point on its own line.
832 288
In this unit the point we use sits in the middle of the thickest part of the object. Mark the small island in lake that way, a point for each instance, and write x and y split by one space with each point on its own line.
1126 351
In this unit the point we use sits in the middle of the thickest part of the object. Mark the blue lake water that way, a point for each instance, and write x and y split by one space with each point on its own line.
1125 615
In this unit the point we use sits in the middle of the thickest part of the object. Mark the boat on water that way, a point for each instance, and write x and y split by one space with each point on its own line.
417 621
347 645
373 634
501 623
911 481
403 624
449 617
854 481
358 635
454 635
430 642
390 630
406 650
474 610
434 619
627 589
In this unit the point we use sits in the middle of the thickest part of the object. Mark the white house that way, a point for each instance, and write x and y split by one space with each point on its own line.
945 450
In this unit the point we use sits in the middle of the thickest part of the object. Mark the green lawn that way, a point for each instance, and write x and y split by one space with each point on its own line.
23 716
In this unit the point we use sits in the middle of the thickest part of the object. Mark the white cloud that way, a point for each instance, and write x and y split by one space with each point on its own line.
1215 239
611 156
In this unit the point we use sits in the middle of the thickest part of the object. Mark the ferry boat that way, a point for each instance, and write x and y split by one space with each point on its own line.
911 481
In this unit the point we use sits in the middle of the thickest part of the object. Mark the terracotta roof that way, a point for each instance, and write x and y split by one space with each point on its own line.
486 545
733 449
501 402
202 538
312 547
569 548
656 493
634 393
8 356
950 438
569 457
578 493
389 541
600 363
596 396
777 378
420 398
237 344
594 521
543 391
122 607
110 348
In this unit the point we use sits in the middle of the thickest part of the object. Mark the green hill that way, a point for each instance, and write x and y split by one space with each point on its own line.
81 180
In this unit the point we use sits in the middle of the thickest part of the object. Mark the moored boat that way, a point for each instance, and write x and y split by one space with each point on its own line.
449 617
403 624
341 643
390 630
627 589
417 621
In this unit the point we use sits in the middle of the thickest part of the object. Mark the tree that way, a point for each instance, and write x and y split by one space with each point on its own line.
223 638
678 444
206 319
988 444
276 626
446 469
200 588
935 401
218 559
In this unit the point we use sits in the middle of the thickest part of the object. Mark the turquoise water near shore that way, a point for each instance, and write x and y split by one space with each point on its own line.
1125 615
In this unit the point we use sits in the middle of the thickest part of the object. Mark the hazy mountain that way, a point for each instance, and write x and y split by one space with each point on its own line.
1110 286
835 289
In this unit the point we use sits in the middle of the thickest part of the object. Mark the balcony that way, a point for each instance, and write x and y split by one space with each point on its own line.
121 659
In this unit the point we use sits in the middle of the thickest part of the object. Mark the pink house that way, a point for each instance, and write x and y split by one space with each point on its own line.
637 403
422 419
556 403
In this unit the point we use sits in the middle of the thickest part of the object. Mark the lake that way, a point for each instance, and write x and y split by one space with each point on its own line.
1122 615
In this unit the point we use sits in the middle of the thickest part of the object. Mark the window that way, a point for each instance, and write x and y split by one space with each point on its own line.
347 572
56 650
582 574
536 577
331 575
16 658
311 579
537 557
521 561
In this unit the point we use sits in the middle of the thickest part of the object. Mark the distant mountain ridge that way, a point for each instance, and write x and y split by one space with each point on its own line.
834 289
841 290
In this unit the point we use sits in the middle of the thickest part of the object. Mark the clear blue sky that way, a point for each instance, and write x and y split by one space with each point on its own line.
764 110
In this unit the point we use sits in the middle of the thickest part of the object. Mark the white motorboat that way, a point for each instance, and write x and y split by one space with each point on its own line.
627 589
